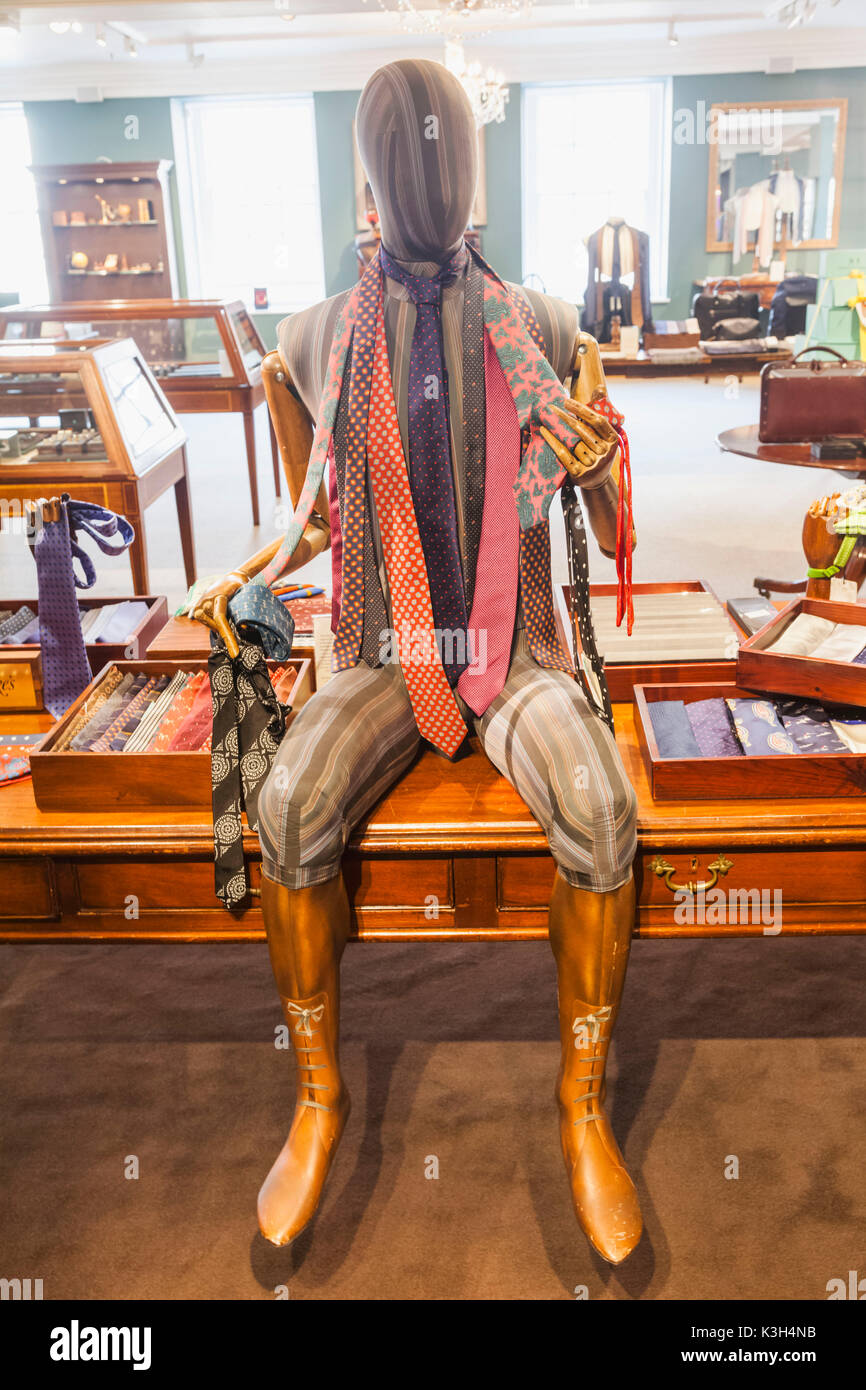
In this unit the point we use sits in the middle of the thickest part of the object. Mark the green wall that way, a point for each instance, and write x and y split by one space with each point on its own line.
67 131
688 259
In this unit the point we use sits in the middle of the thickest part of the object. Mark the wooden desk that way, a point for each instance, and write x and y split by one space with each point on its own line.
738 364
456 834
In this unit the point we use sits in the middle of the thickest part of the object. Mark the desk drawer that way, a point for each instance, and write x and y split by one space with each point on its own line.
143 885
395 883
28 889
818 876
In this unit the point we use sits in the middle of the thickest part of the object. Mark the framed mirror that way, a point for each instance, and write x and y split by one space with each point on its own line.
775 176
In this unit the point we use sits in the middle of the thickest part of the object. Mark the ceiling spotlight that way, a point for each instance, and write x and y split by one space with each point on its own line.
673 36
286 18
76 27
101 36
129 47
59 26
194 56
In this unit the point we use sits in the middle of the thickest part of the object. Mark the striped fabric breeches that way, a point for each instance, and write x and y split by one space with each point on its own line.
356 735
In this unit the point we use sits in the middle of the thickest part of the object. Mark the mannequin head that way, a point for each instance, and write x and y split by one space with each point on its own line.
417 140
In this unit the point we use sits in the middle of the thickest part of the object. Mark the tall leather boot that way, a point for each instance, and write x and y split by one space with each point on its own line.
307 931
590 934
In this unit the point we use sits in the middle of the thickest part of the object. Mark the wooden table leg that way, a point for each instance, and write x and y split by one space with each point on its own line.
275 456
250 441
138 554
184 520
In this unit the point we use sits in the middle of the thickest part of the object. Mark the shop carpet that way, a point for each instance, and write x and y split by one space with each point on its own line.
449 1184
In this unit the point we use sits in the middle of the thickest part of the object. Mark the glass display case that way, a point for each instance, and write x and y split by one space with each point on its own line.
90 419
206 354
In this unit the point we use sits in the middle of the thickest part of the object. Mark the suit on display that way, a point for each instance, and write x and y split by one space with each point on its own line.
443 431
616 251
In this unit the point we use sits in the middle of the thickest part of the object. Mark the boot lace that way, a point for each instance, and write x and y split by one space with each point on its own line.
592 1023
303 1027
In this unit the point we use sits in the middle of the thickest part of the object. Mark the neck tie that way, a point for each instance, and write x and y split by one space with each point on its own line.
436 711
491 625
672 729
536 392
430 476
248 726
65 668
711 726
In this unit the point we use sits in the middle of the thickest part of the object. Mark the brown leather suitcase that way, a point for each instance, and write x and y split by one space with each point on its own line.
806 401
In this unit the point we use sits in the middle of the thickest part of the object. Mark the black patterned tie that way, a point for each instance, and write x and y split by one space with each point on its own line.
248 727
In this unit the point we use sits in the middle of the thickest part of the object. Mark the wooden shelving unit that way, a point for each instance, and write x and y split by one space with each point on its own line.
94 210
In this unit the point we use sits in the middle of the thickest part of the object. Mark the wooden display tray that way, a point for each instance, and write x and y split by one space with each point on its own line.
835 682
714 779
80 781
21 663
622 676
182 638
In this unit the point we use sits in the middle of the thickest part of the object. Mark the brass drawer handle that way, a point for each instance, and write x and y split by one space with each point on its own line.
664 870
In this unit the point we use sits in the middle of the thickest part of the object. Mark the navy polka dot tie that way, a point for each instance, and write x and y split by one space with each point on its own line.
430 476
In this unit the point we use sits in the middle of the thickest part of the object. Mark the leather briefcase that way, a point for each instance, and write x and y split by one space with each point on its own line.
802 402
717 301
736 330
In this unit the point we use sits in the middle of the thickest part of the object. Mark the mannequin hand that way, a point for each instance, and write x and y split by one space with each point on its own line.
212 609
596 437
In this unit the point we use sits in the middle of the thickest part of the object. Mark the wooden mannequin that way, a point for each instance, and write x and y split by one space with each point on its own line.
424 185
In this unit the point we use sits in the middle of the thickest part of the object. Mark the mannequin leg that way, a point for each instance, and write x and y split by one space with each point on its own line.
307 933
590 935
562 759
344 749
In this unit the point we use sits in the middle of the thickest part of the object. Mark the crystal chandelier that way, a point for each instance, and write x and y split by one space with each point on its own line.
438 16
487 90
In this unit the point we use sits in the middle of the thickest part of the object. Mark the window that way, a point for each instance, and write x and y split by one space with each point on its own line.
249 195
23 268
593 151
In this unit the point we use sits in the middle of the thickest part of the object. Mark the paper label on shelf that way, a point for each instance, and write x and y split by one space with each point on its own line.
629 340
323 645
843 590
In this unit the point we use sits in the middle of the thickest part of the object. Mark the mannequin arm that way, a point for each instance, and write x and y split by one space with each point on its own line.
600 500
294 433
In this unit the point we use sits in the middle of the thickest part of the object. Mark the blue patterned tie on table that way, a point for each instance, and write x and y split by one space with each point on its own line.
672 729
712 727
431 479
20 619
65 668
759 729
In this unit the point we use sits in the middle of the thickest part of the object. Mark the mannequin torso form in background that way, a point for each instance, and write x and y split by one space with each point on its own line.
356 735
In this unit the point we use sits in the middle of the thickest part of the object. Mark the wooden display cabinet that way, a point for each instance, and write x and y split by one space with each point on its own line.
115 220
205 353
127 449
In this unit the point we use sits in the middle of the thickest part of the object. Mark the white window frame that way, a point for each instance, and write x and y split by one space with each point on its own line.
33 290
594 147
189 185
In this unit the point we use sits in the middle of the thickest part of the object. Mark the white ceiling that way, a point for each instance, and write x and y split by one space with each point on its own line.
246 45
